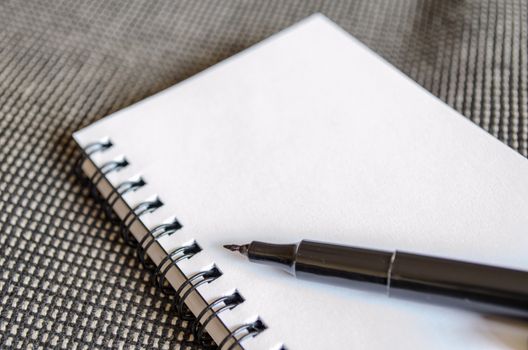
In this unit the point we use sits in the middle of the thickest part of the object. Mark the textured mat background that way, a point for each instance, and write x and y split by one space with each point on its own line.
66 279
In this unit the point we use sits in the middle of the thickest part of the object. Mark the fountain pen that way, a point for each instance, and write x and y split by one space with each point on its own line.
481 288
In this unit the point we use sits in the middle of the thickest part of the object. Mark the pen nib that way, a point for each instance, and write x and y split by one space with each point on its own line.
242 249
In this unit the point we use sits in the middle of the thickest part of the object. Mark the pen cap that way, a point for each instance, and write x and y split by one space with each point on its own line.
343 265
477 287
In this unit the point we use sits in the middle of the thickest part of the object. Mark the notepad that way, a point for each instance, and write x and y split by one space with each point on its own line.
310 135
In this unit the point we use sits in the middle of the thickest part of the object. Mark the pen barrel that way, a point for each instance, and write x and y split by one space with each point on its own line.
482 288
364 269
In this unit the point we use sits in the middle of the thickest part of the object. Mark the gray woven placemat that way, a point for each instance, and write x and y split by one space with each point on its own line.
66 279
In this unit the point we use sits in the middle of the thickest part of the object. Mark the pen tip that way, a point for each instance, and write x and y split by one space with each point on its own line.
242 249
232 247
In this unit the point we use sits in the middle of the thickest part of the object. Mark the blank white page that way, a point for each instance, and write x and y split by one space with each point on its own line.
310 135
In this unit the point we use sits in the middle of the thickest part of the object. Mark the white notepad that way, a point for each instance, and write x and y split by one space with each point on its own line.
310 135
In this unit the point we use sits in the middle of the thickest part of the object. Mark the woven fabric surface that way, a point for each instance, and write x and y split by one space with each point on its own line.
66 279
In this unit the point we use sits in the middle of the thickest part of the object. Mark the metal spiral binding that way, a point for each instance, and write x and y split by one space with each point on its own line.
133 215
193 282
247 330
98 176
174 257
121 189
155 234
97 147
89 150
159 272
223 303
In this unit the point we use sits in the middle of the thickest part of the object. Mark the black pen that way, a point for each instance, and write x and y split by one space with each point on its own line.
482 288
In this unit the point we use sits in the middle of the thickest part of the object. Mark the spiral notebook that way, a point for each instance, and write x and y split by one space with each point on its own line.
308 134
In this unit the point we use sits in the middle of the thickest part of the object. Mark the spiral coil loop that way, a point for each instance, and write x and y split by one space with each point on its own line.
115 193
159 272
223 303
133 215
155 234
98 176
97 146
89 150
247 330
193 282
174 257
